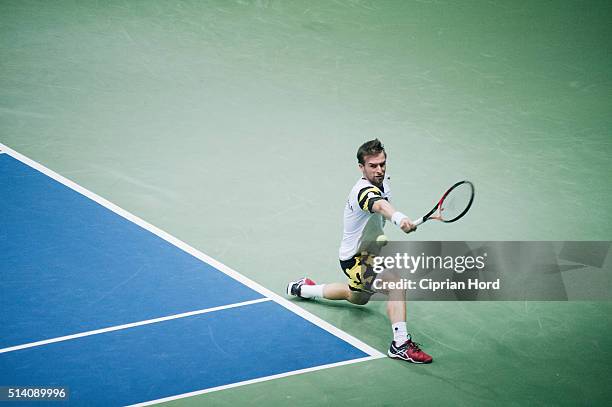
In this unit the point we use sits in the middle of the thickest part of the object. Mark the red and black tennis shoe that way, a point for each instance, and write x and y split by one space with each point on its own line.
295 287
409 351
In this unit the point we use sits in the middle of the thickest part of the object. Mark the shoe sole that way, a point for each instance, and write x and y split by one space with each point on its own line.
394 356
288 290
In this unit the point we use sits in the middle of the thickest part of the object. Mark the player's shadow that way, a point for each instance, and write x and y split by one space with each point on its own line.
459 382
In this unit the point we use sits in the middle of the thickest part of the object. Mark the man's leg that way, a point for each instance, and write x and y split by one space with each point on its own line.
334 291
396 310
396 307
402 346
360 276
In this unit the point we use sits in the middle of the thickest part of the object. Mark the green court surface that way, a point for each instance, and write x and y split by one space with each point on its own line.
233 126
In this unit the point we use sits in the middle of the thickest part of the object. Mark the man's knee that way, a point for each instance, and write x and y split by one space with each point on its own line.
359 298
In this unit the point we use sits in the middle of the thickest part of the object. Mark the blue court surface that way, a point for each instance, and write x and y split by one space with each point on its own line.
120 313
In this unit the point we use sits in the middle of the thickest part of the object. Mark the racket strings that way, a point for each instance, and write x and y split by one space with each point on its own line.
455 202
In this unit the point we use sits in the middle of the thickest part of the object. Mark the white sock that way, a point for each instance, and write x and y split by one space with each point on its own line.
312 291
400 334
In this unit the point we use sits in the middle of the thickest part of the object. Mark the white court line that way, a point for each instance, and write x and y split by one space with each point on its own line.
131 325
258 380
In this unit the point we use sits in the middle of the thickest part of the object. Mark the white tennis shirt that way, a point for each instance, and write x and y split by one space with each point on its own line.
361 225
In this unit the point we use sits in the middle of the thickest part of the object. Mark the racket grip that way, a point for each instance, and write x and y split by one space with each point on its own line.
417 222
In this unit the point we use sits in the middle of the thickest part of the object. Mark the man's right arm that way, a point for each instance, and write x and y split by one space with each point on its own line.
383 207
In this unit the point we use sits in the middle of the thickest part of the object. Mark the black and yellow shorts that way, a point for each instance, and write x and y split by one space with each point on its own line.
360 272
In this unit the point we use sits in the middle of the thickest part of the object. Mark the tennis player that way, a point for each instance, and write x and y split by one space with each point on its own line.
366 210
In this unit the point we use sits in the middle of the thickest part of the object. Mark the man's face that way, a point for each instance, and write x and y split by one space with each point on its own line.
374 168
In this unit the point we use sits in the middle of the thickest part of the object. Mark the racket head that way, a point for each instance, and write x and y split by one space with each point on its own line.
455 202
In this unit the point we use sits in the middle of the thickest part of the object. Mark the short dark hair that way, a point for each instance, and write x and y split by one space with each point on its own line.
371 147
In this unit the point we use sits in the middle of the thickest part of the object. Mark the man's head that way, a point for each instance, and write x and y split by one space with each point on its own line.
372 160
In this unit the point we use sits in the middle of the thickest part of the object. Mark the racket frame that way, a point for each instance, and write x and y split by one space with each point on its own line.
441 201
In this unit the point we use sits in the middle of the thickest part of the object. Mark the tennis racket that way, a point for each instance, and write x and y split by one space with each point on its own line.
453 205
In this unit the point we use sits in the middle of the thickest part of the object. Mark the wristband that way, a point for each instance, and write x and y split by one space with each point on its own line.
397 218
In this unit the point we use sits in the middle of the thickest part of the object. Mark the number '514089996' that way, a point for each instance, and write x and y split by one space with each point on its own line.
16 393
